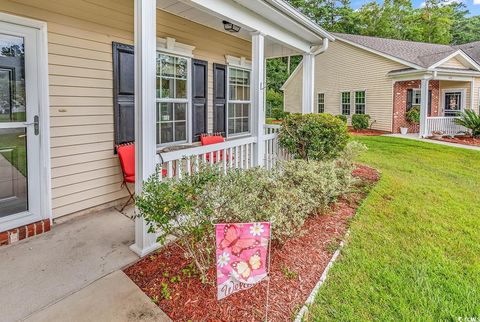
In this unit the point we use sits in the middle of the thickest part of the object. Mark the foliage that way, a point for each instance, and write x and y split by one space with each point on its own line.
342 117
436 21
471 121
278 114
413 250
360 121
176 208
413 115
313 136
274 101
187 208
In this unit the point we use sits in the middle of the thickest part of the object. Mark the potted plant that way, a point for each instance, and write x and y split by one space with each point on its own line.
412 117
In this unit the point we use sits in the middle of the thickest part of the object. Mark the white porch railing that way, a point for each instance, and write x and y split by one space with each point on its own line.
446 125
232 154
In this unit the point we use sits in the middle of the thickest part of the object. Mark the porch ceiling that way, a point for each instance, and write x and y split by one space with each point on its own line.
273 47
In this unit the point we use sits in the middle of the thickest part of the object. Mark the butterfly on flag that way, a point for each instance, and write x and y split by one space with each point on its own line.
242 256
245 268
233 241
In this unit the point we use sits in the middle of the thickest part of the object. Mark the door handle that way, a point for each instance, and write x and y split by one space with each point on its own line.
35 123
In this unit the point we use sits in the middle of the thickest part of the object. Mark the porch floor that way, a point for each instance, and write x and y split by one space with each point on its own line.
414 136
37 272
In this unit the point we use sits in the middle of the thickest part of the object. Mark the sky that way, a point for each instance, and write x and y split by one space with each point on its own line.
472 5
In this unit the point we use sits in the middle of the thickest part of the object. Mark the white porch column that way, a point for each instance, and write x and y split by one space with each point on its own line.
308 100
258 96
472 94
423 108
145 115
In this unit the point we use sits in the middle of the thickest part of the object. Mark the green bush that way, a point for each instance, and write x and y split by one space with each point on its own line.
313 136
413 115
342 117
360 121
278 114
471 121
187 208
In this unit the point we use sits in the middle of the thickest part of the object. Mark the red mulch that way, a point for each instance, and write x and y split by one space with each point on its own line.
366 132
306 256
467 140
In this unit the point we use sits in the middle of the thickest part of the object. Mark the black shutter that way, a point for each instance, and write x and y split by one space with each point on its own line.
199 98
409 98
123 93
219 98
429 102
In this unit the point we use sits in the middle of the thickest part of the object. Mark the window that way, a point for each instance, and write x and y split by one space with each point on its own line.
345 103
416 98
453 104
172 98
360 102
238 114
321 102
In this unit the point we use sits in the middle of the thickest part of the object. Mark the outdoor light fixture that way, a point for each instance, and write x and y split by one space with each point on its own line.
230 27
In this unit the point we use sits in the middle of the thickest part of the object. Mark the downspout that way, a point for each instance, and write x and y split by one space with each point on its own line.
322 48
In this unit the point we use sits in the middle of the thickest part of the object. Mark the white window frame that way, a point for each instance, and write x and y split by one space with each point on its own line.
188 100
318 101
350 103
463 92
242 65
416 90
355 101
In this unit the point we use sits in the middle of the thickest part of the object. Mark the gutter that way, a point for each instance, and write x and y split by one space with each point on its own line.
300 18
322 48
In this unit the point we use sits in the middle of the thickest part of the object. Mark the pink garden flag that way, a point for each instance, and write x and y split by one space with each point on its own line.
242 251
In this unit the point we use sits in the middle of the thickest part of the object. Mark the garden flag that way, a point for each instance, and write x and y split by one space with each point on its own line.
242 252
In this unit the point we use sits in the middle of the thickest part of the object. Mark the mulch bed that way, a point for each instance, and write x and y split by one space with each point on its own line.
296 267
367 132
467 140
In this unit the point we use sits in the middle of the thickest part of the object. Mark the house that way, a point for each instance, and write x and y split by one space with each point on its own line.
78 77
385 78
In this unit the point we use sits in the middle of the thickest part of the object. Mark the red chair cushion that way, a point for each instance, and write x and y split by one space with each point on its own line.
130 179
211 139
215 156
126 154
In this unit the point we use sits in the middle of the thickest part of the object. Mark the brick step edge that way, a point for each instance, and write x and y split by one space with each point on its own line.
16 234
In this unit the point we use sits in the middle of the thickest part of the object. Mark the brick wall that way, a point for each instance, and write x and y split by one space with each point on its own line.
400 103
10 236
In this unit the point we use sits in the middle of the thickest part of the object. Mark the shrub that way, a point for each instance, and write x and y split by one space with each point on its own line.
413 115
278 113
471 121
176 208
343 118
313 136
360 121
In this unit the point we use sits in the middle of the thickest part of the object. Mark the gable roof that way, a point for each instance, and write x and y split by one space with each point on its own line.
412 53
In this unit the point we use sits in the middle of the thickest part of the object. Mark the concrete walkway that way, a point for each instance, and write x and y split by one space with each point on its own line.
414 136
112 298
37 272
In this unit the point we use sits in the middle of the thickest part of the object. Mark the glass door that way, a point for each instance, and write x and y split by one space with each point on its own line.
19 129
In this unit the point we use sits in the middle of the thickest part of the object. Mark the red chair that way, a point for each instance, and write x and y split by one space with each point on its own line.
126 154
213 139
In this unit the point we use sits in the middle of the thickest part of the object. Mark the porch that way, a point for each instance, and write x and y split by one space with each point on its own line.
168 127
440 95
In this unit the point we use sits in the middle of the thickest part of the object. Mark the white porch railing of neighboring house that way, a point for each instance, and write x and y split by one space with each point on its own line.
444 124
232 154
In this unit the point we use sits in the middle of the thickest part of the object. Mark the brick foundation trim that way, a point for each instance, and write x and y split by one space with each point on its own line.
16 234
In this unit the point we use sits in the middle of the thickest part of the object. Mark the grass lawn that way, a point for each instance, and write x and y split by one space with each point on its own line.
17 157
414 249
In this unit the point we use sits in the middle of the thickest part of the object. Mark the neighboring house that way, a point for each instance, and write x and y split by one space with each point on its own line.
199 66
383 77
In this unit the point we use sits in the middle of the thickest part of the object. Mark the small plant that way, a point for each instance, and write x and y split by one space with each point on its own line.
154 299
343 118
165 292
413 115
289 274
332 246
313 136
471 121
360 121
